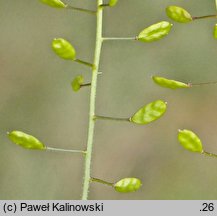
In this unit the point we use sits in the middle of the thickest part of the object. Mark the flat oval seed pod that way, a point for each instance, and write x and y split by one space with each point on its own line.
77 82
178 14
149 113
167 83
25 140
63 49
112 3
155 32
127 185
54 3
215 31
190 141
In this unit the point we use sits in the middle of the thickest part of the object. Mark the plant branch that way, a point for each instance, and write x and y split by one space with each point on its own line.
88 157
65 150
81 9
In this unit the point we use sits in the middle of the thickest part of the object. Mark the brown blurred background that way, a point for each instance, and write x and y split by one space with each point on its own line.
36 97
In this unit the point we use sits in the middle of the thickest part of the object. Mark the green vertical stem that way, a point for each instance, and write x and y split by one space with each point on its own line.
95 70
216 4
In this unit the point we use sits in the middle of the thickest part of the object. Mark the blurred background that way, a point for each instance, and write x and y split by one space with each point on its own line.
36 97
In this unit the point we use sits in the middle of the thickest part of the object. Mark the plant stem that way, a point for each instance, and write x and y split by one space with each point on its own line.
65 150
81 9
204 17
118 38
102 181
96 117
216 4
209 154
88 156
84 63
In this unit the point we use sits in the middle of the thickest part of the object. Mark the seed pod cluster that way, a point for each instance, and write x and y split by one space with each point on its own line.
155 32
168 83
127 185
190 141
149 112
25 140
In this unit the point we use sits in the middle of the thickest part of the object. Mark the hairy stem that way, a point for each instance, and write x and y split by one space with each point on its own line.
88 156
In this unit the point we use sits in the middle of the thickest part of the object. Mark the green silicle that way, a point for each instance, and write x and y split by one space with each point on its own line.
149 113
112 3
168 83
77 82
178 14
155 32
190 141
54 3
63 49
128 185
215 31
25 140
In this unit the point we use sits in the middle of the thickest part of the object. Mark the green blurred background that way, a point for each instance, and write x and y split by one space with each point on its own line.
36 97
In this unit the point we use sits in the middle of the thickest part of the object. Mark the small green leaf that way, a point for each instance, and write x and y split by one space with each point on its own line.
178 14
149 113
77 82
63 49
25 140
190 141
127 185
112 3
215 31
155 32
167 83
54 3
